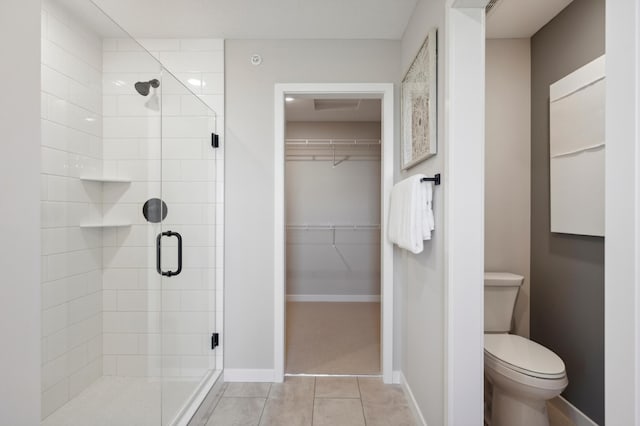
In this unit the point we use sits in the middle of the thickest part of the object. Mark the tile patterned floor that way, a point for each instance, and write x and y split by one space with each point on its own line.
307 401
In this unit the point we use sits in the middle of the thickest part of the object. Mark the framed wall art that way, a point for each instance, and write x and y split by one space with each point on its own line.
419 102
577 150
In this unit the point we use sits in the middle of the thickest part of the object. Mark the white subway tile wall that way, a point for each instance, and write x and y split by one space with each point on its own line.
71 257
105 310
172 319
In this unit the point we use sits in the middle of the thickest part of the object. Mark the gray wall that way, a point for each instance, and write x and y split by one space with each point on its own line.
567 271
317 193
249 160
507 208
20 212
419 283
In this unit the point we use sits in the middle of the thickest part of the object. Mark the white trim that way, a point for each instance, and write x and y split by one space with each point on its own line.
413 404
333 297
249 375
188 410
382 91
386 256
397 377
332 375
464 212
279 229
577 417
622 215
465 4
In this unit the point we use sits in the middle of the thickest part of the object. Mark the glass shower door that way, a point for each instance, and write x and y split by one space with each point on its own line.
128 286
186 248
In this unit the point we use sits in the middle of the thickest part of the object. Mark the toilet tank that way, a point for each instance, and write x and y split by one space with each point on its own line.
500 292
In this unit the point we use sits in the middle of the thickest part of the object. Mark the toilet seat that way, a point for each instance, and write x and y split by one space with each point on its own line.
523 356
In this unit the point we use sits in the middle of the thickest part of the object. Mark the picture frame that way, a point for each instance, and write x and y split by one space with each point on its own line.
577 149
419 105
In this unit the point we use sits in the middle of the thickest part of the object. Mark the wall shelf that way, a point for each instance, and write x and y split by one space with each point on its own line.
104 225
333 227
105 179
363 143
335 150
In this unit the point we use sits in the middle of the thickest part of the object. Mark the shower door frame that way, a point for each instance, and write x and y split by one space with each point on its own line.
384 92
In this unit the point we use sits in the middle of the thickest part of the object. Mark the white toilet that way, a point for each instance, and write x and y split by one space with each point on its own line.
523 374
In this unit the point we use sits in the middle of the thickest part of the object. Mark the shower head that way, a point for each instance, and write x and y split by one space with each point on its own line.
143 87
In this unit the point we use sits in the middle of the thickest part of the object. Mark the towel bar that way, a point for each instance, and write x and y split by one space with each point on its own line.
435 179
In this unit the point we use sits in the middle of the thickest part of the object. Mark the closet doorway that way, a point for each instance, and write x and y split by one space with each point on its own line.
336 303
332 210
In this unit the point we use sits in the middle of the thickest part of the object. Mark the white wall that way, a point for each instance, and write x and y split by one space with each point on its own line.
317 193
508 165
71 256
421 277
249 193
20 212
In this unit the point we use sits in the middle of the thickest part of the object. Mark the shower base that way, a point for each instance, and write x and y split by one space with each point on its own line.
115 401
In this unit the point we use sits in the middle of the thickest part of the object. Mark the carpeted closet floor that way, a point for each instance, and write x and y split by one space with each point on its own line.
333 338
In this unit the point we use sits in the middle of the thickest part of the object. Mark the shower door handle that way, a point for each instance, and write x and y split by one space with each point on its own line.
159 253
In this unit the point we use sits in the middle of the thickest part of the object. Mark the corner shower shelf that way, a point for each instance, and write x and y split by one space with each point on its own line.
105 179
104 225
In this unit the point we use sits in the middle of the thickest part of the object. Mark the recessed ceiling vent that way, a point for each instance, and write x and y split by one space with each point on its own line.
490 6
336 104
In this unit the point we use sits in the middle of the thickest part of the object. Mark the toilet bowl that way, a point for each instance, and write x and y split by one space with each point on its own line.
524 375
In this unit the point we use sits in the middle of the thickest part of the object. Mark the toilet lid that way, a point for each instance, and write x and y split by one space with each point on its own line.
524 355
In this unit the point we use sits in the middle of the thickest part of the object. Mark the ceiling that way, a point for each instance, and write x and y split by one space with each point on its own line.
262 19
293 19
309 109
521 18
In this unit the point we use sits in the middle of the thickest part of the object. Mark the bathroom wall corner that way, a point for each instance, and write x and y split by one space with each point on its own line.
20 212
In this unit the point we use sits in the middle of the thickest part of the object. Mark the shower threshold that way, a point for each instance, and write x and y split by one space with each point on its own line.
141 401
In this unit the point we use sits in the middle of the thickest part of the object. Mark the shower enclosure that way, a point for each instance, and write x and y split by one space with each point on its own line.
131 183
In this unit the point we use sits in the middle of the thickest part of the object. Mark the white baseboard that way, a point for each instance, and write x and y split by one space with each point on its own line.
396 377
413 404
333 297
248 375
577 417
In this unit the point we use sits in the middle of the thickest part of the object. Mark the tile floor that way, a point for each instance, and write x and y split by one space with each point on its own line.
334 401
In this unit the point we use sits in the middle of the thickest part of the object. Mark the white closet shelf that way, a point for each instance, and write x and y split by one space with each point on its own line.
104 225
105 179
334 227
335 158
335 150
333 142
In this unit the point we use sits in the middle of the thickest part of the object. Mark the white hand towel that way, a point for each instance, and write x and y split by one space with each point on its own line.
428 222
410 215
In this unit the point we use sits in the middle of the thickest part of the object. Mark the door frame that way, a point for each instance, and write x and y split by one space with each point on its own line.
384 92
622 215
464 232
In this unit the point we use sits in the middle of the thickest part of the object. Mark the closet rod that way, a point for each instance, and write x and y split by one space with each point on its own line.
365 142
334 227
435 179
